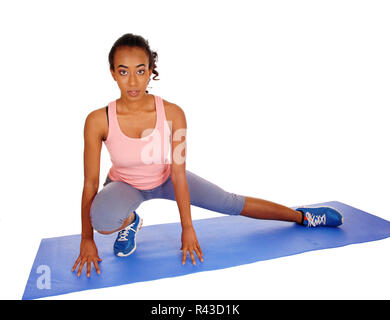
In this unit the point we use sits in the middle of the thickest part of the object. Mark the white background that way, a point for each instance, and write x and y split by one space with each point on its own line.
285 100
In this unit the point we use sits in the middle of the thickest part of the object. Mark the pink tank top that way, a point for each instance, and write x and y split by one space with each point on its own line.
142 162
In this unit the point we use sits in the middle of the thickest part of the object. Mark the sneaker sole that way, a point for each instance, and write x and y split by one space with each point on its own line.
121 254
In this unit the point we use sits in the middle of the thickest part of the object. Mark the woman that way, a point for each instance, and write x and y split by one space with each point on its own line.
146 139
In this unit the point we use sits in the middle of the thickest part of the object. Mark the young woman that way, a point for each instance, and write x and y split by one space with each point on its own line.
145 136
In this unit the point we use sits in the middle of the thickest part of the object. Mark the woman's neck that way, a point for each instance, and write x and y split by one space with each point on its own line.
131 105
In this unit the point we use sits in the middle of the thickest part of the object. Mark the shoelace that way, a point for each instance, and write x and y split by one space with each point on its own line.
125 232
123 235
315 220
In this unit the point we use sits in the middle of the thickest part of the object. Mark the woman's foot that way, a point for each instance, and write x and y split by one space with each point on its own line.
125 243
321 216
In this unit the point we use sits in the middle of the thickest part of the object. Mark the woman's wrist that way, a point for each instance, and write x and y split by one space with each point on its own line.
87 235
187 226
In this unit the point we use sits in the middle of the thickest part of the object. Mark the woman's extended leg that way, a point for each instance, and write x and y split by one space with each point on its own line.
263 209
208 195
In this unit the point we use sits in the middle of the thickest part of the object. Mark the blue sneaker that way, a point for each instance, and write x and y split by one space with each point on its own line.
321 216
125 243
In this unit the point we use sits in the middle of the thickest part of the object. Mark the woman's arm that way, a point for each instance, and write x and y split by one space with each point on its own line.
178 167
92 151
180 185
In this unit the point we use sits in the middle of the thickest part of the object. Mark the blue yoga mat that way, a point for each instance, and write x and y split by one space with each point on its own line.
226 241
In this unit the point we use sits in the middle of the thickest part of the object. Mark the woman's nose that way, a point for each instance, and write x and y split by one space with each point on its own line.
132 79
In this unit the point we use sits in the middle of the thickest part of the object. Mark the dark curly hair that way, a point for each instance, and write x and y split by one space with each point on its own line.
132 40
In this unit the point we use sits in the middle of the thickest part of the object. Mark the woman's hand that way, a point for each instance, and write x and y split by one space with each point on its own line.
190 243
88 254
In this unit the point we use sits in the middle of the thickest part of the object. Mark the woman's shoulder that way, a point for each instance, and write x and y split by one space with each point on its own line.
98 116
98 119
172 110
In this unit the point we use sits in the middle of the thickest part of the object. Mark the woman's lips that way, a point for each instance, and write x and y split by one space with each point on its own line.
133 93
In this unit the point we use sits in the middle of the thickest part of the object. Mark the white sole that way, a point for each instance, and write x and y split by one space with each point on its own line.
121 254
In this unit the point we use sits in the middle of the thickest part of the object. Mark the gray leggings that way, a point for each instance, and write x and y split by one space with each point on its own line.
117 200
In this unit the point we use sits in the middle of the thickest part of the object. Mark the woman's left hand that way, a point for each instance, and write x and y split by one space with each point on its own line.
190 243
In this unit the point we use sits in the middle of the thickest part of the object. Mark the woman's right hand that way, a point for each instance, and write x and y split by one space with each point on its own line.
88 254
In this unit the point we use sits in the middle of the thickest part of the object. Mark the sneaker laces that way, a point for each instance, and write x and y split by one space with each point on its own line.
125 232
123 235
315 220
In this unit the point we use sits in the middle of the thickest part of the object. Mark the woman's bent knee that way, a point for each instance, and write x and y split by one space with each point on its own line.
105 218
112 206
127 221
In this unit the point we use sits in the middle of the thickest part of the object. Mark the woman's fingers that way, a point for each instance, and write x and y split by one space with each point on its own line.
200 250
191 251
184 255
81 266
88 267
192 257
76 263
199 253
97 265
89 261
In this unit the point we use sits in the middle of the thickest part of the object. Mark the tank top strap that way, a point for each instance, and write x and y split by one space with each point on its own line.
159 108
111 105
112 124
163 125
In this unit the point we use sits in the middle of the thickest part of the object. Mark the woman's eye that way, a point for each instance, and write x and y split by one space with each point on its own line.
124 72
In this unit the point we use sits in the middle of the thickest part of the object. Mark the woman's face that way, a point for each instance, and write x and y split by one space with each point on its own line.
131 71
